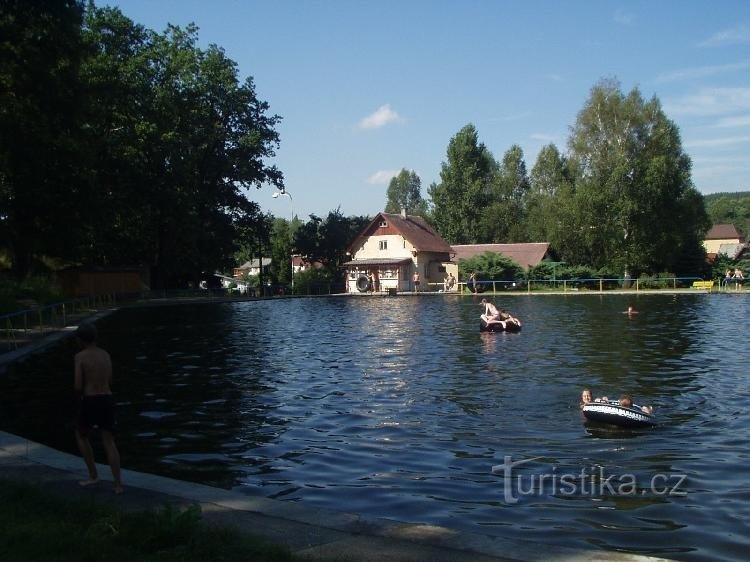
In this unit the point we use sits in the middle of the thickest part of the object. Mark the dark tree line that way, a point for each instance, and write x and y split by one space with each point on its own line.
124 146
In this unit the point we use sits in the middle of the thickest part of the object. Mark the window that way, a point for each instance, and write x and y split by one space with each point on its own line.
383 224
383 244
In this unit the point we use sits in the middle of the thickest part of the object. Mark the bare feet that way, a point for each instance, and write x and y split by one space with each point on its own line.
89 482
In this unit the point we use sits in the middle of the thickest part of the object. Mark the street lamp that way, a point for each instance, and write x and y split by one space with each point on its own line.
281 193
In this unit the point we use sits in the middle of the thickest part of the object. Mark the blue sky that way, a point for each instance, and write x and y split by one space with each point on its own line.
368 88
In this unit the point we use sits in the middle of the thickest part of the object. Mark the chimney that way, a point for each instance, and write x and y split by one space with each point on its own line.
403 212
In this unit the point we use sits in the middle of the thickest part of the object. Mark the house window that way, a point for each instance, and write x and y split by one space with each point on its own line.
383 244
383 224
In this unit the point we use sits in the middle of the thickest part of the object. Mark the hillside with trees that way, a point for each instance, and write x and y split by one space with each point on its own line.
730 208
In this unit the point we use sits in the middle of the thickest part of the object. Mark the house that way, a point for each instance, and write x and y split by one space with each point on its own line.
252 268
719 235
391 249
527 254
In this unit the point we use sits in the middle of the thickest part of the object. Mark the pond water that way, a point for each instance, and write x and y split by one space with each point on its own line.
399 407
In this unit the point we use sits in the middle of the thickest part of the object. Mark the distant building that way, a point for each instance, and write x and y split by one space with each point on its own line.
526 254
252 268
391 249
721 234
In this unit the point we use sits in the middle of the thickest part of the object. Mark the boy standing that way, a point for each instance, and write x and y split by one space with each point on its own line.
93 380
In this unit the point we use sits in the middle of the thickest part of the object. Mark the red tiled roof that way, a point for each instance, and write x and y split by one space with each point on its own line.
413 228
526 255
722 232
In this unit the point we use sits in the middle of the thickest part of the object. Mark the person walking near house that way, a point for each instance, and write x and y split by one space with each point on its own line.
416 281
93 381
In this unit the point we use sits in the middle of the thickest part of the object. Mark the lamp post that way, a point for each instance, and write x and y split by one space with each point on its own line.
282 193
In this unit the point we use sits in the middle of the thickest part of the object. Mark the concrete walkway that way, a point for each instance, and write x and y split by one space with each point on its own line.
311 532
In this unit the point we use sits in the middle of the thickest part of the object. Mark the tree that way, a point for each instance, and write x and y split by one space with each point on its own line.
634 199
549 181
326 240
491 266
41 51
404 192
503 218
465 179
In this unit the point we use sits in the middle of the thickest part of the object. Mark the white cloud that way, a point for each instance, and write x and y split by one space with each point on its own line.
544 137
554 77
733 36
710 101
382 116
382 176
731 122
717 143
701 71
622 17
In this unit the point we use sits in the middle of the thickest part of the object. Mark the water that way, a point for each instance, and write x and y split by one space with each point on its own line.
400 407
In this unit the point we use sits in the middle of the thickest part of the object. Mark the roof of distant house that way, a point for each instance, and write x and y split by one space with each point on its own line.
253 264
413 228
527 254
722 232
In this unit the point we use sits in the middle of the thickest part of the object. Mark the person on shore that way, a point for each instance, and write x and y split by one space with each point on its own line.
416 280
93 383
449 282
727 278
738 278
473 282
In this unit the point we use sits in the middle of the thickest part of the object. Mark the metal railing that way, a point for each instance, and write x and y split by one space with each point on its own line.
598 284
24 326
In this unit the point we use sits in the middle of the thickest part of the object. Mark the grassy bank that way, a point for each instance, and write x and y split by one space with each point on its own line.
39 527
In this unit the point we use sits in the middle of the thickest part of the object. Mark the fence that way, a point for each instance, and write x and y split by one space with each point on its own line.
599 284
19 328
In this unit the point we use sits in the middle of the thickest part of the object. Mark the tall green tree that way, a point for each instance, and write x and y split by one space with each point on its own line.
634 197
184 138
405 192
40 106
548 182
503 219
462 194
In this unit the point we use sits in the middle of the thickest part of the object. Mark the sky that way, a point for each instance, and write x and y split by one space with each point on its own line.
365 89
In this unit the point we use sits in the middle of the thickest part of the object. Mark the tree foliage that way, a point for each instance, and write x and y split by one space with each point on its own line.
465 179
158 136
730 208
634 203
405 192
491 266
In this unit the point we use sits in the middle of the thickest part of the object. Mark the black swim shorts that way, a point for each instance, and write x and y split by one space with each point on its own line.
98 412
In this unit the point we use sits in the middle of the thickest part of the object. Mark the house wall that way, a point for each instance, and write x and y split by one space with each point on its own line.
712 246
396 247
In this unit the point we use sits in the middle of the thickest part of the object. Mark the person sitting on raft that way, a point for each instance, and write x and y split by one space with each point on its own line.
627 402
494 316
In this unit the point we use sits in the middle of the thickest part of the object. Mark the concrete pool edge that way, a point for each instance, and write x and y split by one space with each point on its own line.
307 531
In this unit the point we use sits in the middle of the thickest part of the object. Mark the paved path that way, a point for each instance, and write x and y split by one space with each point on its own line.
313 532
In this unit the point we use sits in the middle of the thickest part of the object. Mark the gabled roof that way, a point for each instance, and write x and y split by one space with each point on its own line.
253 264
722 232
413 228
527 254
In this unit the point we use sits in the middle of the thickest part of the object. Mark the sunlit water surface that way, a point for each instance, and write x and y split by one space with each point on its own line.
399 407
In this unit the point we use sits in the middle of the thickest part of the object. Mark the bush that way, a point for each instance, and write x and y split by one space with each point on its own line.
39 289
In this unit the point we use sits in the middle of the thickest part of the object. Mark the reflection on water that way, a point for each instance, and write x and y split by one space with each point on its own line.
400 407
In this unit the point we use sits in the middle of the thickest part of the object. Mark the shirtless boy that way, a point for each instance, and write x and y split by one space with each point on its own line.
93 380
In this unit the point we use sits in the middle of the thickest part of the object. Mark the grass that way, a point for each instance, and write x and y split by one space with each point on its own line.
39 527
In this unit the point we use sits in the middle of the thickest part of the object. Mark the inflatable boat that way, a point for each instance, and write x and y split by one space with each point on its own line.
498 327
614 414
